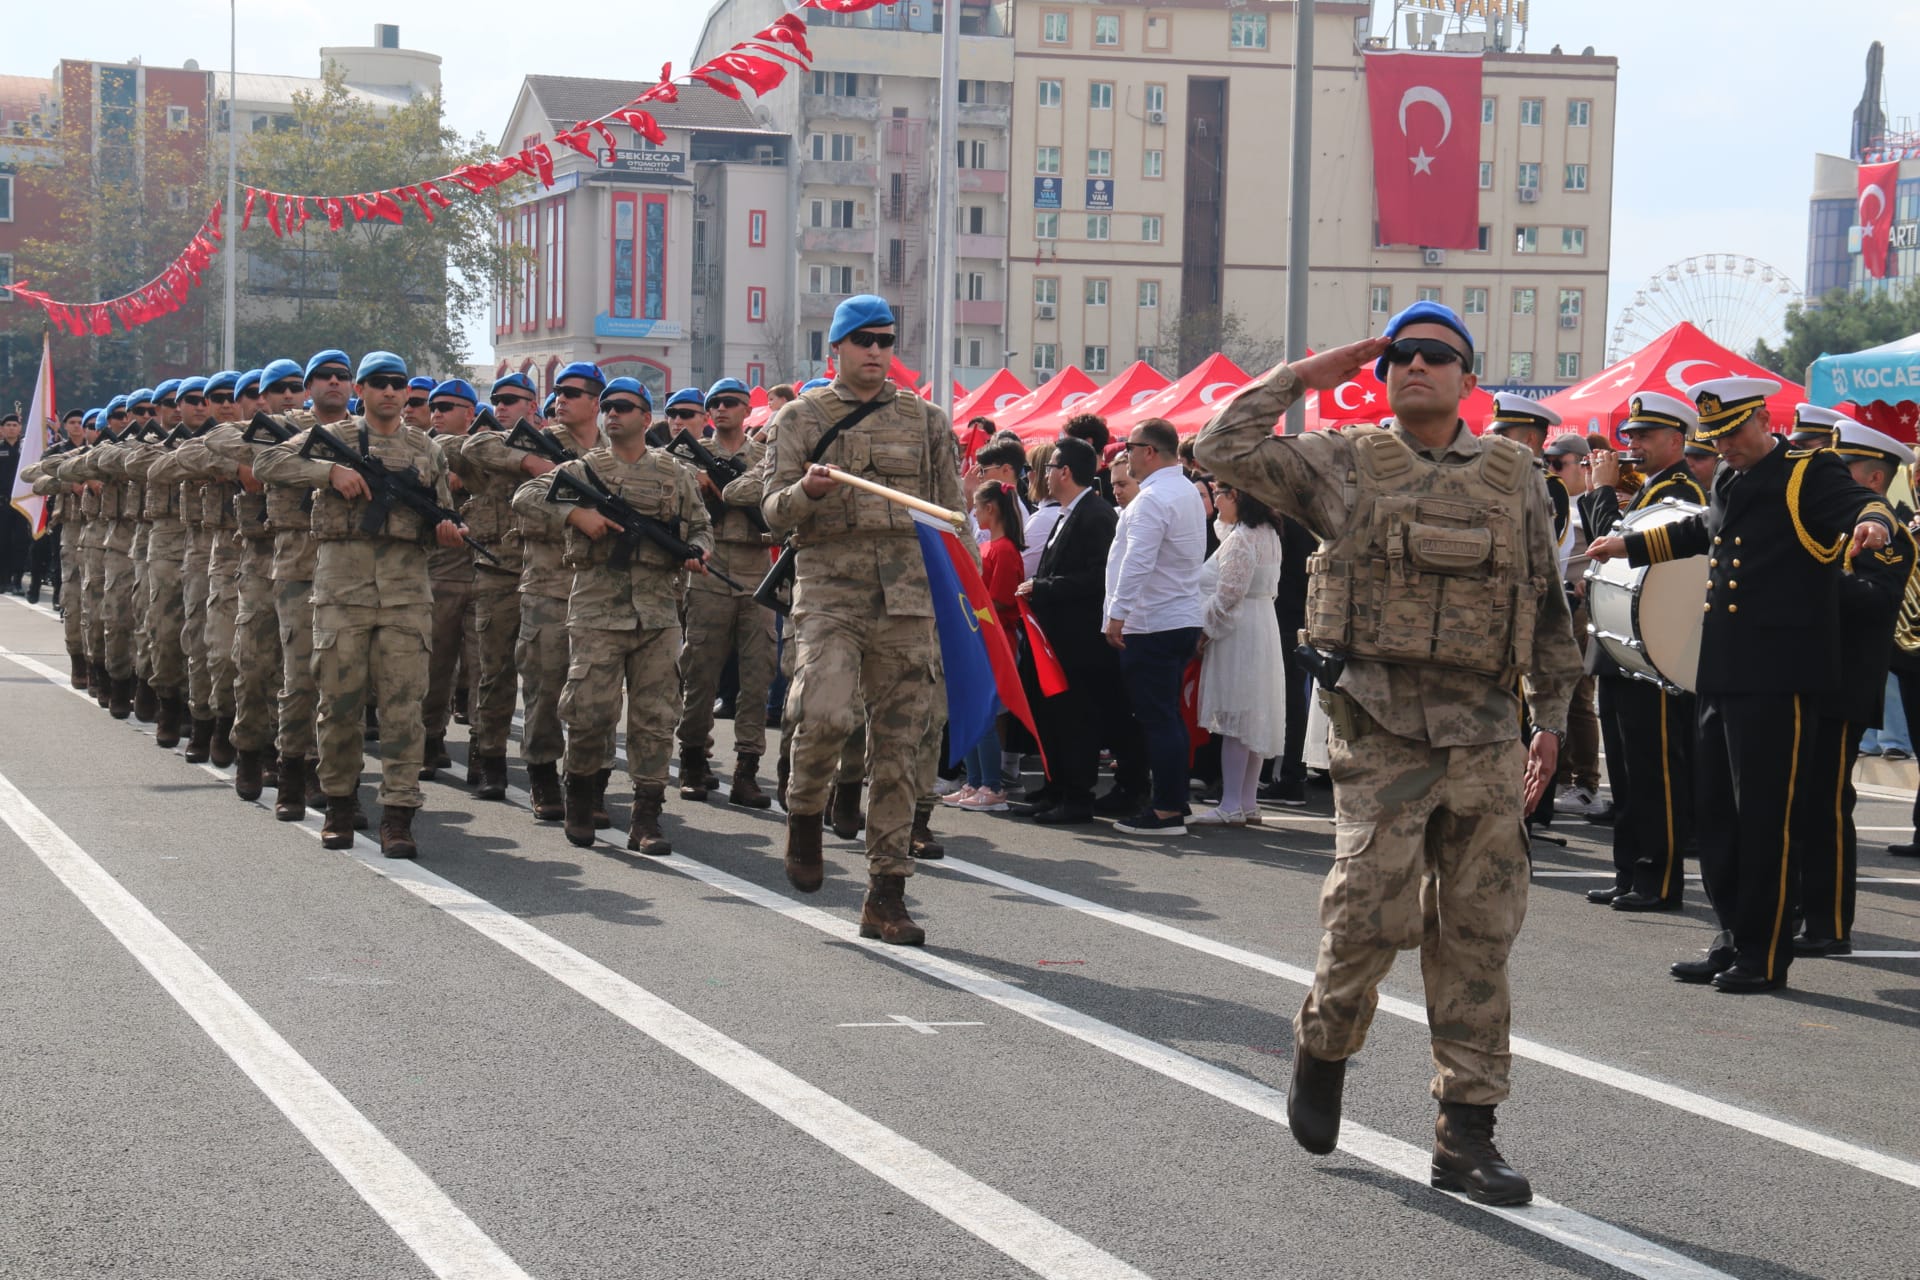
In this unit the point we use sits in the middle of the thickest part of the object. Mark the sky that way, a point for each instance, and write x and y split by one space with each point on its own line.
1722 104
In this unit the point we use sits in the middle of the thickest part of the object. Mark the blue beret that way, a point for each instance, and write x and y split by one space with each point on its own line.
91 418
518 381
115 405
223 381
166 391
278 371
1425 313
582 369
421 383
353 404
688 395
455 389
250 380
726 385
861 311
379 362
811 383
192 386
546 406
143 396
632 387
331 356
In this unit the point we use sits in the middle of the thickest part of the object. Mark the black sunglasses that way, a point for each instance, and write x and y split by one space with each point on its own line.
725 402
572 393
446 406
283 387
116 415
862 338
251 393
415 402
329 373
678 414
164 404
509 398
385 382
220 397
1431 350
621 406
192 399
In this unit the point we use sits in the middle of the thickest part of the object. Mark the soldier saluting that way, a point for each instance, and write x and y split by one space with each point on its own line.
1436 588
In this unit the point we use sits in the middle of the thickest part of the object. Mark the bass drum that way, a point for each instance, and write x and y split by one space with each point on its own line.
1648 619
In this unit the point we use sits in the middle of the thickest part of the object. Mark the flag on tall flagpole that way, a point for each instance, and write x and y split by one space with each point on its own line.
33 442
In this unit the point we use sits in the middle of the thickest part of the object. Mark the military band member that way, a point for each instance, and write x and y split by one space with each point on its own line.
1703 460
450 405
1814 426
1780 522
496 587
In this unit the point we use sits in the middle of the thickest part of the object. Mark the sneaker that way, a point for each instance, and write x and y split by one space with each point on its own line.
1217 817
985 800
1149 823
1575 801
1290 792
960 797
1895 753
944 787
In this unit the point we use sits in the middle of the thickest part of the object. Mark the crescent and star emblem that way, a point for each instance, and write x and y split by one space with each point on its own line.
1676 375
1427 94
1340 397
1213 390
1880 196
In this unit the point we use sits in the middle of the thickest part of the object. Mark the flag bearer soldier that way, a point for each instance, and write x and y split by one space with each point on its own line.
450 405
496 588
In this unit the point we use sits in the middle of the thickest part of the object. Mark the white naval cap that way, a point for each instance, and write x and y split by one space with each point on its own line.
1652 409
1726 403
1813 419
1511 410
1858 440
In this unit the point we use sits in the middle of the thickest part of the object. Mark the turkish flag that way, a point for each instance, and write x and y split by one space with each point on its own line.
1425 111
1875 211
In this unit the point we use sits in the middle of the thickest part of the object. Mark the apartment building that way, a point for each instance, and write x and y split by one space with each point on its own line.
1833 230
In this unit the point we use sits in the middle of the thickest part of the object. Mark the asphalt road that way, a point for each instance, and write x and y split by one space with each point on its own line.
227 1052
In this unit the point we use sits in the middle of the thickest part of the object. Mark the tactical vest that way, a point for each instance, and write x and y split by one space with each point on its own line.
489 509
651 494
1431 568
889 446
290 507
334 519
163 499
216 504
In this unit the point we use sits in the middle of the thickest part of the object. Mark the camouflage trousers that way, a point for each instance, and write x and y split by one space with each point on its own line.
293 610
117 612
853 756
93 591
450 658
223 611
256 649
641 664
496 626
540 653
73 590
1428 853
852 659
142 620
166 610
719 623
362 654
193 632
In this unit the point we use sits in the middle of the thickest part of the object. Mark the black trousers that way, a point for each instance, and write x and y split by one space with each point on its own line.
1292 765
1651 769
1823 833
1755 759
1910 703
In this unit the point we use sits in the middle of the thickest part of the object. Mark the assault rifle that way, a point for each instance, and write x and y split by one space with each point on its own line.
588 490
530 439
390 487
722 471
267 429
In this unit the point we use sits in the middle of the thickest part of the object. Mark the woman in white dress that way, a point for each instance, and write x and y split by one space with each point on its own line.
1242 673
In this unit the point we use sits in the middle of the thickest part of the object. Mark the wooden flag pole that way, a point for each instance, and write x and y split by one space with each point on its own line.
957 519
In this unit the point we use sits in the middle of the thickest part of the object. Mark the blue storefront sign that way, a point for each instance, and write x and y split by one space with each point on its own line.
606 326
1046 193
1099 193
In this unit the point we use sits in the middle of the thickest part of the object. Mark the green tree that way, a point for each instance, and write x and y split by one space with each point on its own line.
1840 323
373 284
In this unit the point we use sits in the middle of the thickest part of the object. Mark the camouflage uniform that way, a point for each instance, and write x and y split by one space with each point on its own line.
491 472
207 474
255 650
721 621
166 548
109 466
1427 768
133 501
64 511
862 608
450 570
195 561
95 518
289 514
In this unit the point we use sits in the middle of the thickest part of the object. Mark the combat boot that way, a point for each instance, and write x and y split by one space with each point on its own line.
436 754
493 778
145 704
1313 1100
884 913
693 776
429 763
783 774
643 830
120 697
806 867
373 724
844 806
247 769
920 841
316 794
746 791
290 798
396 832
1465 1159
543 787
220 750
78 678
602 820
98 683
579 809
200 745
473 767
166 728
460 706
337 831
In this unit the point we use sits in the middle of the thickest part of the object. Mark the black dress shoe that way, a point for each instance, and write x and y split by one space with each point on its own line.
1718 957
1740 981
1062 815
1904 850
1037 803
1117 802
1805 946
1634 900
1604 897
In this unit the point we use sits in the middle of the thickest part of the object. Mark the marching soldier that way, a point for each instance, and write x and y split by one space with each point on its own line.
196 415
450 406
107 467
99 507
166 556
141 409
1780 521
44 476
496 588
417 412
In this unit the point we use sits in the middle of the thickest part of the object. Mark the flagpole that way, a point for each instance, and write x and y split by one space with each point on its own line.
946 212
955 518
1299 219
231 249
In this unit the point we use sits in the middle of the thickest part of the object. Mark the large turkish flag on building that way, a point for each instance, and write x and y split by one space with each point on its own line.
1878 183
1425 111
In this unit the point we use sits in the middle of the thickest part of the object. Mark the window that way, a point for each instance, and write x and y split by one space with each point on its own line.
1566 365
757 228
1426 293
177 120
756 304
1053 28
6 197
1247 30
973 220
1046 160
1484 242
1046 290
1100 95
830 146
1150 229
1097 226
1579 113
556 249
1149 293
503 295
6 276
1096 361
1144 354
1046 357
1380 300
836 84
1571 301
974 91
1576 177
976 353
1523 302
1520 367
1573 239
974 288
1529 174
1526 239
1486 175
1156 97
1153 164
1099 163
972 153
831 213
1106 29
1046 226
816 345
1096 293
756 375
1531 110
1158 31
829 279
1479 364
1476 302
1049 93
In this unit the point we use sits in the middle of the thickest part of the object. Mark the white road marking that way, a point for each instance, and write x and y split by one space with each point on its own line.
419 1212
1878 955
902 1020
1540 874
1792 1135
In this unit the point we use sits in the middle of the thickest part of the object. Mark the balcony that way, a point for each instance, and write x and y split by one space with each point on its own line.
840 173
981 311
819 306
988 181
985 115
837 240
992 248
816 106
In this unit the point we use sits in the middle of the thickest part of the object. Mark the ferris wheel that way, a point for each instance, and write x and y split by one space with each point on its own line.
1734 299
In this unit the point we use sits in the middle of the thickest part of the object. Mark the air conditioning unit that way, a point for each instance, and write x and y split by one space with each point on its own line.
763 155
1156 117
1569 322
1043 310
1529 194
1433 257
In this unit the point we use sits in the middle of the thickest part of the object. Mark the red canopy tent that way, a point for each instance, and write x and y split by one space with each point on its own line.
1363 401
1677 360
1132 385
1062 391
989 399
757 397
1187 403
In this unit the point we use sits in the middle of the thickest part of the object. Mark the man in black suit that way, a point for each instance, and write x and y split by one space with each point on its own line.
1779 524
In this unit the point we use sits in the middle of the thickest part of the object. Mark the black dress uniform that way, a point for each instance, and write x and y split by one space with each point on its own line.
1906 674
1769 659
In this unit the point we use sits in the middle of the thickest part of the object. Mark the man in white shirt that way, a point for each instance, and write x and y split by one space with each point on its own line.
1153 613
